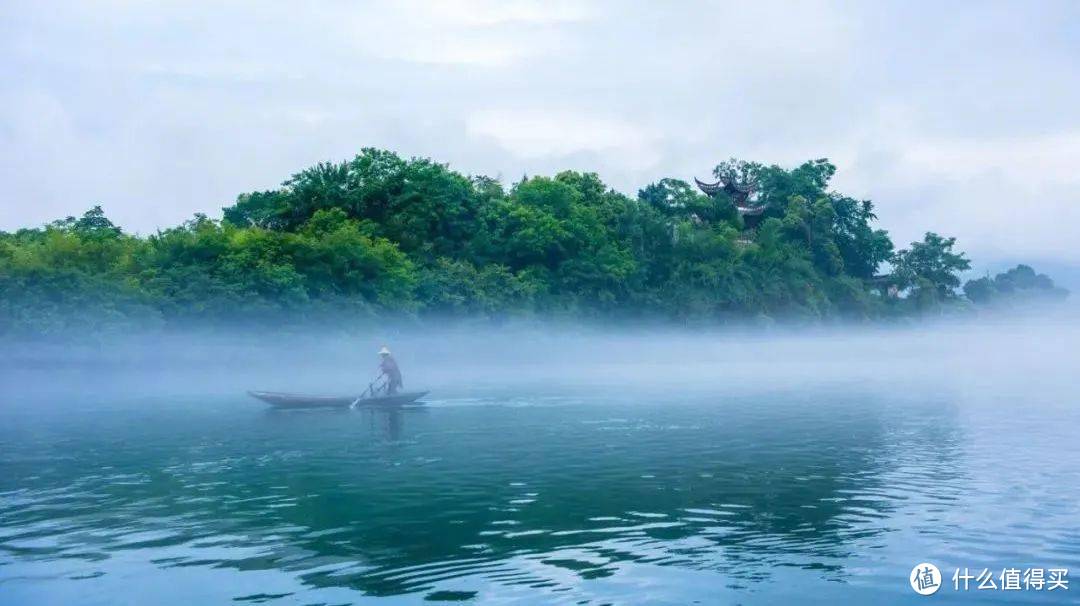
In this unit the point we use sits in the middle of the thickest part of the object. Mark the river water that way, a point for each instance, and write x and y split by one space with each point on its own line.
805 492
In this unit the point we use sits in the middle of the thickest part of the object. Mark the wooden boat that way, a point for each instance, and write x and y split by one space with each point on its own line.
295 400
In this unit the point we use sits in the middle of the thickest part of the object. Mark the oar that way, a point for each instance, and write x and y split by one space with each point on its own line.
362 394
370 391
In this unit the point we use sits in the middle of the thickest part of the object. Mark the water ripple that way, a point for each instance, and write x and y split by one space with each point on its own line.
575 499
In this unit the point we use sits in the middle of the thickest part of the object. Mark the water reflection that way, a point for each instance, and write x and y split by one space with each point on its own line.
466 498
385 422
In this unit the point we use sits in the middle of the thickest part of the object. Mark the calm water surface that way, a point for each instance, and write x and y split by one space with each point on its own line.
827 494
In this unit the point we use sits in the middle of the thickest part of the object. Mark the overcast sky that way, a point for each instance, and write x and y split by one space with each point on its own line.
956 117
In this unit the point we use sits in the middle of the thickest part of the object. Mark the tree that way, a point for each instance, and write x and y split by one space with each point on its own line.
980 290
1019 285
423 206
73 275
679 201
930 269
862 247
382 235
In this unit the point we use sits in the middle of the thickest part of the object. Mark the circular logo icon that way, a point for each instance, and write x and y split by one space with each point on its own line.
925 579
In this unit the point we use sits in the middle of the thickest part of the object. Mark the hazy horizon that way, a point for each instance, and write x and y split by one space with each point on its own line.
554 357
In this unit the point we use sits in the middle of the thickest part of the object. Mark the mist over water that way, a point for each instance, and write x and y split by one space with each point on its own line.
472 357
550 464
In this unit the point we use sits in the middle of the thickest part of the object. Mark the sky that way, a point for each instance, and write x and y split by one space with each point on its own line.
960 117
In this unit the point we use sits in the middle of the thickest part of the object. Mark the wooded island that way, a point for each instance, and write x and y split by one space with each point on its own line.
381 236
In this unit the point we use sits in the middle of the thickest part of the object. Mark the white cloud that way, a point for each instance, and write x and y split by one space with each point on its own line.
540 133
470 33
460 50
487 13
158 110
1028 162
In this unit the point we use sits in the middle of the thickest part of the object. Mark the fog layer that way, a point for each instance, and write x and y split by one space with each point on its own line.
489 361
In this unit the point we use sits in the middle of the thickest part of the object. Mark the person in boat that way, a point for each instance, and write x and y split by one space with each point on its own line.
388 368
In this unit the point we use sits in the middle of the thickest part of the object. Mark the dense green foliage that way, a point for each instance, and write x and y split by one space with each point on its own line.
929 270
381 235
